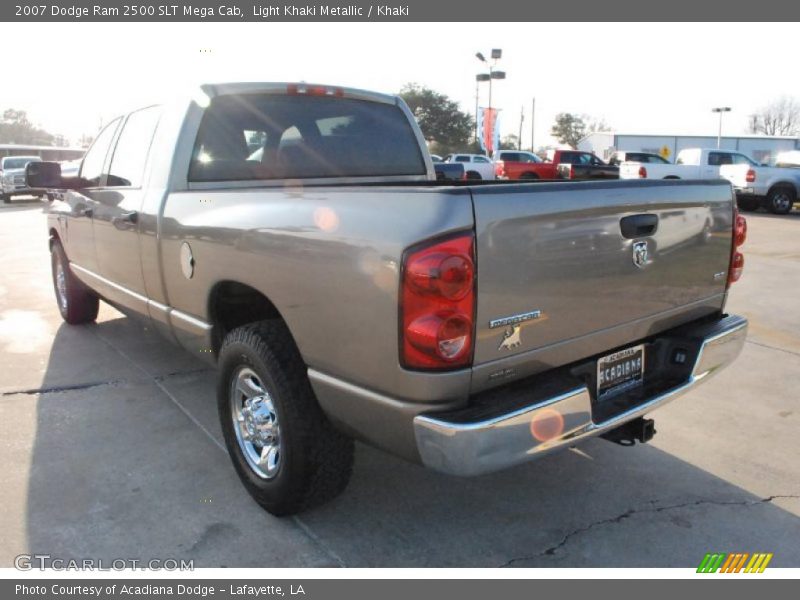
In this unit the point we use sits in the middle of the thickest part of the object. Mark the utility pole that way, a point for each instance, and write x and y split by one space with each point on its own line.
521 119
533 118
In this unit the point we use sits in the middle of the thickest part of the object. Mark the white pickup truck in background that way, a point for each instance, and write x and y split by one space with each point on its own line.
477 166
756 186
692 163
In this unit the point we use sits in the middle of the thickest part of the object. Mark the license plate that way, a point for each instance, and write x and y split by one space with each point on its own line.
620 371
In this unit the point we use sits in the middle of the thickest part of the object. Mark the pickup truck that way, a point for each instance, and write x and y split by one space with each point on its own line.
691 163
343 293
549 169
12 177
477 166
774 188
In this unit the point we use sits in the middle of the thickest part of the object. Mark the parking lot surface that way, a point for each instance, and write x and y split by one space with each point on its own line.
110 448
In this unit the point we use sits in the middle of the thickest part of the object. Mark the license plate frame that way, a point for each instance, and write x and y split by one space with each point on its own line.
620 371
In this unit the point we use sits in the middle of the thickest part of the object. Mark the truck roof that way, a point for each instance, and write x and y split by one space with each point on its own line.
314 89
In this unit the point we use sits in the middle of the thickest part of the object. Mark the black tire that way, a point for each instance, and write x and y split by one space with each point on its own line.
748 204
76 303
315 460
6 199
529 176
780 200
474 176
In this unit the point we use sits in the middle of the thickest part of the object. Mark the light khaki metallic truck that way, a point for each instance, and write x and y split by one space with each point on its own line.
295 236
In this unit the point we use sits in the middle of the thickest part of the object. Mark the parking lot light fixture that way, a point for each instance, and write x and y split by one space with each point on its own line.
720 110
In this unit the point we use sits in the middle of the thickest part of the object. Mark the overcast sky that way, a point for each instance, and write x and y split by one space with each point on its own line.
638 77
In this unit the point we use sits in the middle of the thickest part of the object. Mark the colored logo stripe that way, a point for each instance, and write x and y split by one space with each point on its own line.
734 562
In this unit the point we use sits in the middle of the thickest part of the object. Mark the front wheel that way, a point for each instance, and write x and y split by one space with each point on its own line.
76 303
287 454
780 200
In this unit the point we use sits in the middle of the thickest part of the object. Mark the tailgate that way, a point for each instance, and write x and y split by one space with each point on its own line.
561 276
629 170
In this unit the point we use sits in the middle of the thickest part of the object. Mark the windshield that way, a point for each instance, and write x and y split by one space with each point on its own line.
19 162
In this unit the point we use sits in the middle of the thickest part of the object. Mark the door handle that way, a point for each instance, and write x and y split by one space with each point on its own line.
637 226
126 218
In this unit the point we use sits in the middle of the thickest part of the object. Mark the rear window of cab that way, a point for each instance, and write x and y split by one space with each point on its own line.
269 136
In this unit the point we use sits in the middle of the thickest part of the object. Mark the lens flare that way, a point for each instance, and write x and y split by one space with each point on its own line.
547 424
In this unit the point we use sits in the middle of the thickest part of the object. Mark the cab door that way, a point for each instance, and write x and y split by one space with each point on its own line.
79 232
116 214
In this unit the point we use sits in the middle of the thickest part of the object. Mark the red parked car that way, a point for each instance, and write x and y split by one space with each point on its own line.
512 164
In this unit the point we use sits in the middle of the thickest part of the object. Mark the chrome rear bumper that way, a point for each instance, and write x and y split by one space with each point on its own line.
463 447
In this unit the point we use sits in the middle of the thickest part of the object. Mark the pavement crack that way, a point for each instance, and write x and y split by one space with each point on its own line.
551 551
792 352
184 373
63 388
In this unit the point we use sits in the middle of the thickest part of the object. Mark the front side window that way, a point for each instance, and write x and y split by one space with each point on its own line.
268 136
95 159
133 146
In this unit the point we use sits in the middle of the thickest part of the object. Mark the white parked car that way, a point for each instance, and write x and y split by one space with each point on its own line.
477 166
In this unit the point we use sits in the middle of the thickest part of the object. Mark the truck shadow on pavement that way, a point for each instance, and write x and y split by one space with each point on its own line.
127 462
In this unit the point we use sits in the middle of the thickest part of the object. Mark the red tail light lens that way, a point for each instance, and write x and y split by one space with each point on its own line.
739 236
751 176
739 230
438 304
642 173
737 266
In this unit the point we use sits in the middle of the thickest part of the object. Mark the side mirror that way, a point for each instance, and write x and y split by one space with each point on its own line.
43 175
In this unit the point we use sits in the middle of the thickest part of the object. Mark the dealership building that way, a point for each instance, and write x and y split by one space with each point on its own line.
760 147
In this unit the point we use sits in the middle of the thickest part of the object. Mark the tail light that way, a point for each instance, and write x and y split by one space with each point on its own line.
751 176
737 258
438 305
295 89
642 172
500 168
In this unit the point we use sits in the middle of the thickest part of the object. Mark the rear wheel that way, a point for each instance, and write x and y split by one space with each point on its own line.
748 204
287 454
780 200
76 303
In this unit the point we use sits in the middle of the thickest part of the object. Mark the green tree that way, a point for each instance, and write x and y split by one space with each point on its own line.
442 123
509 142
16 128
568 129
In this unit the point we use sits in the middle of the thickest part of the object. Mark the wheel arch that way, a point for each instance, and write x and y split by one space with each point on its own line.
792 186
232 304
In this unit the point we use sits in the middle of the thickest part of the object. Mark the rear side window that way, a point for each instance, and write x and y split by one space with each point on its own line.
716 159
268 136
133 146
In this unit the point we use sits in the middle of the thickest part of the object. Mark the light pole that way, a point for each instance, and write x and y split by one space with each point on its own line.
720 110
480 77
493 73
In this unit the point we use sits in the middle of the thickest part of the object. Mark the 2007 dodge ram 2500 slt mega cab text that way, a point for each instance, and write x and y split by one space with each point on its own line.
346 294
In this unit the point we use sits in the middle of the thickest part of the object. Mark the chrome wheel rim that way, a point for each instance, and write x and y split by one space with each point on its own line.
61 284
255 422
781 201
